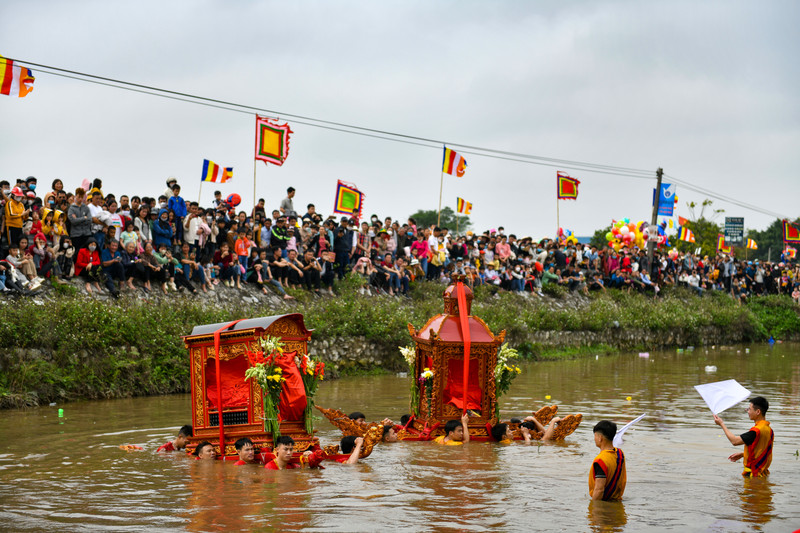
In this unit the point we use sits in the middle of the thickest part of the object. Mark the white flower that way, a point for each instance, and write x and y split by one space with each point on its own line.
409 354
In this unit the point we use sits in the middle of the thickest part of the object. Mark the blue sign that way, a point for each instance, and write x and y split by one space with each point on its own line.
666 199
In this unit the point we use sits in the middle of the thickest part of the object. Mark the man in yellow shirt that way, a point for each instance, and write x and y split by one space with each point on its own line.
757 442
608 475
455 432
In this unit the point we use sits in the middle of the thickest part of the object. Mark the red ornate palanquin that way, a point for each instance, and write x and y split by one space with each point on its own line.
242 403
440 347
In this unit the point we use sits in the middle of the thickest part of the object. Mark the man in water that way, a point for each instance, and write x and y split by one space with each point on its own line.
607 477
757 441
246 450
455 432
284 448
205 450
179 442
350 445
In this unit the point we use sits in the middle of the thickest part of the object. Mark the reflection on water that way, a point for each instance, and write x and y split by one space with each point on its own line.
606 516
67 474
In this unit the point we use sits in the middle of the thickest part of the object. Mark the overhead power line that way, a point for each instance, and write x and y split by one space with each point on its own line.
386 135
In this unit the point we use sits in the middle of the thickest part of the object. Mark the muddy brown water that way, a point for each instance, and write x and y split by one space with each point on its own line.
68 474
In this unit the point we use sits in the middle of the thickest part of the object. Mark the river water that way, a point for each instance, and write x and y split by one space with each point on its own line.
68 474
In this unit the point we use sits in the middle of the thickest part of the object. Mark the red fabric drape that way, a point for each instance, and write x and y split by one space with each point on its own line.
454 391
293 396
235 390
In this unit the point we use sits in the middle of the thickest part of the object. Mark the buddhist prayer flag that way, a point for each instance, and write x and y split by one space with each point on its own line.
453 163
349 200
791 235
463 206
215 173
567 187
15 80
272 141
751 244
721 244
686 235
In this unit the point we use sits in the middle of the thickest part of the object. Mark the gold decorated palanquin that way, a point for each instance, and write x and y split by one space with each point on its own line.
243 406
440 347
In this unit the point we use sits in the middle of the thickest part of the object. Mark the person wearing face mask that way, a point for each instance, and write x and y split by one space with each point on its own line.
89 267
15 215
162 230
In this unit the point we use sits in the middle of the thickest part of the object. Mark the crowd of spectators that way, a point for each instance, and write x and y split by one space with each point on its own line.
165 243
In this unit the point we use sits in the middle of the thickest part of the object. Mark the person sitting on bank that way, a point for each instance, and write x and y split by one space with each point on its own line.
350 446
757 441
284 448
607 477
204 450
247 452
179 442
455 432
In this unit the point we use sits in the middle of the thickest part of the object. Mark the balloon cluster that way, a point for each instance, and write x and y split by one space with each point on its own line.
566 236
625 233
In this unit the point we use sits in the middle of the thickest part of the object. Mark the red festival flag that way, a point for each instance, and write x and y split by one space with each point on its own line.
272 141
453 163
721 244
791 235
349 200
682 221
790 252
567 187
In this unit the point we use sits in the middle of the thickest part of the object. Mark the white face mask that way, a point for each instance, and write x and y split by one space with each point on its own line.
163 205
92 247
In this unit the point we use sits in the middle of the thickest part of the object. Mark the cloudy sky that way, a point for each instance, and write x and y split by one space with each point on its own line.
706 90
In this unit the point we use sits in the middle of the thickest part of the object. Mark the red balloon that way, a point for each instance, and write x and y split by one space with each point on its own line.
233 200
538 266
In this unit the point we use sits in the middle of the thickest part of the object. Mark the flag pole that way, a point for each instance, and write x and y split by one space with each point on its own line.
558 214
441 185
255 162
200 192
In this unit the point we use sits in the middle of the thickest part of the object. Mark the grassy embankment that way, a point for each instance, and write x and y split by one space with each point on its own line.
72 347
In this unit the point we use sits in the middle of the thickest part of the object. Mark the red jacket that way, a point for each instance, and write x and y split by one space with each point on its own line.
86 258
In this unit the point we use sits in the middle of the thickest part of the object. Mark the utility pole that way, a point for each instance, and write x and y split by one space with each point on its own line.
651 242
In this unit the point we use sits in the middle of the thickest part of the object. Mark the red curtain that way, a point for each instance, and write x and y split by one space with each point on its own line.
454 390
293 396
235 390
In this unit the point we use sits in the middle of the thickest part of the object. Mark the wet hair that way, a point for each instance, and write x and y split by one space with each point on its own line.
498 431
185 431
200 447
386 429
606 428
450 426
760 403
529 425
241 443
404 420
515 421
285 440
347 444
355 415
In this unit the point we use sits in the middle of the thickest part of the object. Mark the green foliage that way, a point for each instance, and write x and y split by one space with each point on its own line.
599 238
75 347
705 234
779 315
427 218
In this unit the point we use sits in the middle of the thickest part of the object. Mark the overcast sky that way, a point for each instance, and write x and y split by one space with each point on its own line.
706 90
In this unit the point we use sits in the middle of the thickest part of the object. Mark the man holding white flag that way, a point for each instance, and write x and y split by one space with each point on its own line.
757 442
